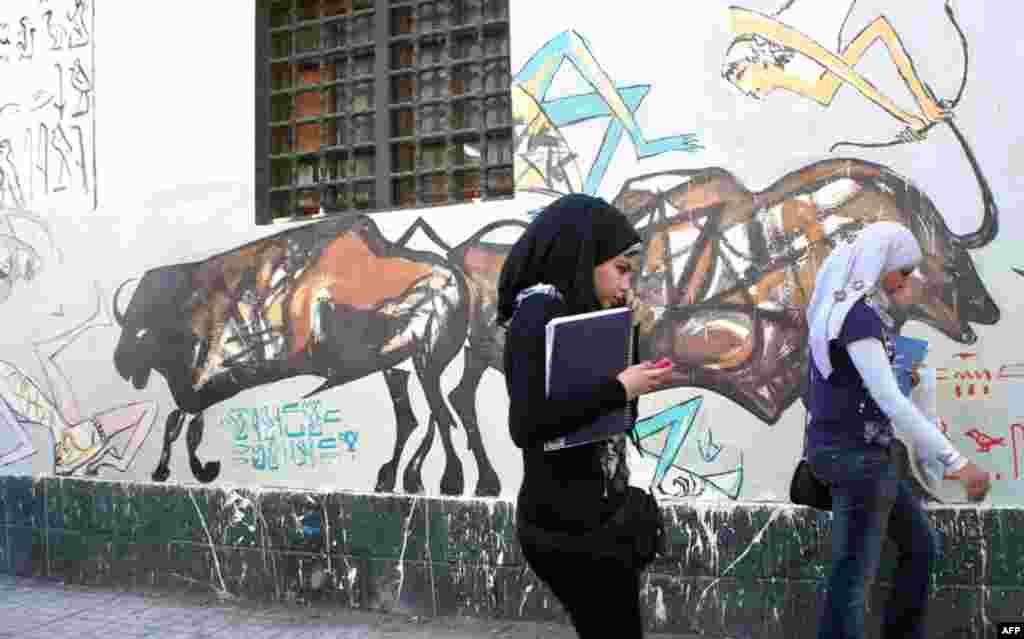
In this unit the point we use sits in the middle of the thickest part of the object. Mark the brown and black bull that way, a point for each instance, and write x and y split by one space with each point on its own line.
480 260
335 300
731 271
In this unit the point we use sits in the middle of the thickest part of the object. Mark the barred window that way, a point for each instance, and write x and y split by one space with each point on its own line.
371 105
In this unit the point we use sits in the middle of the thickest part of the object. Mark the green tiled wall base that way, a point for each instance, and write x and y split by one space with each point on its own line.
733 570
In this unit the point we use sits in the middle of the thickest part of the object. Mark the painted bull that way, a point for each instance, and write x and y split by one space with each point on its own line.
334 299
731 271
480 260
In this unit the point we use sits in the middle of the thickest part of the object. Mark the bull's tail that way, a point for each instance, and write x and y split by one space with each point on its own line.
949 104
989 226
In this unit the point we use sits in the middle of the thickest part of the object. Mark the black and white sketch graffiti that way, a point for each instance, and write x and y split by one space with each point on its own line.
27 248
47 112
81 444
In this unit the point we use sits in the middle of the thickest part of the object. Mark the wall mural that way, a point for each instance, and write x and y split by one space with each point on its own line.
290 305
298 303
27 248
731 271
727 270
688 460
280 436
790 50
981 410
47 146
544 161
47 114
81 445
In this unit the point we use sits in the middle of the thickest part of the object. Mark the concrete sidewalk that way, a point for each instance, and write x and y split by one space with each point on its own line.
41 609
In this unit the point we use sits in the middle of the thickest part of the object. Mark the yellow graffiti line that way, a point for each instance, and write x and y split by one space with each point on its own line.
532 86
35 406
746 21
604 85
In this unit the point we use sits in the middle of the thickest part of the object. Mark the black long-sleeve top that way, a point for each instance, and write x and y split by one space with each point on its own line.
562 490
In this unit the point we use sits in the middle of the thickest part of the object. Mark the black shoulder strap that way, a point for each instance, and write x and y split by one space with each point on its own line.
807 409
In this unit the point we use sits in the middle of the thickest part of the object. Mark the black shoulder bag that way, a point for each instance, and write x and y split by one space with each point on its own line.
804 488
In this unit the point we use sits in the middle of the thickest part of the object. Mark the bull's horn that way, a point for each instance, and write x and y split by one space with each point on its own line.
119 317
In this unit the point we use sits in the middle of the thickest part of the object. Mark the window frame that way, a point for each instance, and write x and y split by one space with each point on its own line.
303 180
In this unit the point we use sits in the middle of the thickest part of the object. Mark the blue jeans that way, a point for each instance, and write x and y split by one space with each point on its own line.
870 501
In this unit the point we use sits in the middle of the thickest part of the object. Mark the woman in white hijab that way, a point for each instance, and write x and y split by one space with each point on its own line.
854 402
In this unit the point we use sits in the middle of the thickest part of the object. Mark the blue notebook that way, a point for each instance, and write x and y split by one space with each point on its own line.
583 350
909 353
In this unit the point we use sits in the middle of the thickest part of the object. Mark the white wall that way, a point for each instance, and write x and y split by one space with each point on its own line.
173 141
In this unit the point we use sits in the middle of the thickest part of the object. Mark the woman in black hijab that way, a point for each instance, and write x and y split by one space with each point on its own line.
573 258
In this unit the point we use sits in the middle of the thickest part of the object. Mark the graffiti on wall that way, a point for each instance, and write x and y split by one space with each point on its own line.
82 445
973 395
1017 444
730 271
967 381
792 50
688 459
26 248
299 303
285 435
727 270
296 303
47 114
984 442
545 162
728 280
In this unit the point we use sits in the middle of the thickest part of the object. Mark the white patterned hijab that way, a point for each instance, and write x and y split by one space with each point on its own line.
849 273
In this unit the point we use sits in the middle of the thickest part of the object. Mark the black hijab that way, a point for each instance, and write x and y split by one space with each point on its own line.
562 246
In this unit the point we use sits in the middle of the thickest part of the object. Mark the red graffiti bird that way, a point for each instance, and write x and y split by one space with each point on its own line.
985 441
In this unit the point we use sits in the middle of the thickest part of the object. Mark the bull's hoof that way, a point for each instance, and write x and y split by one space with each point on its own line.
161 473
452 482
488 485
386 478
204 473
411 481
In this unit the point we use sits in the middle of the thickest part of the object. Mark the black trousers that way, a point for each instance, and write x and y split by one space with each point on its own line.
602 596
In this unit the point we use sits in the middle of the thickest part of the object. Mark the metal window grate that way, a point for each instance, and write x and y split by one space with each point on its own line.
365 105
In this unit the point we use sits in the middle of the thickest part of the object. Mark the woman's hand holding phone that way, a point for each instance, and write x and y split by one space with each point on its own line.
646 377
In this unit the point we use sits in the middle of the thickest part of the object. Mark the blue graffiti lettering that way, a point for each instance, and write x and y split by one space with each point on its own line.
302 453
236 421
267 456
272 436
349 438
